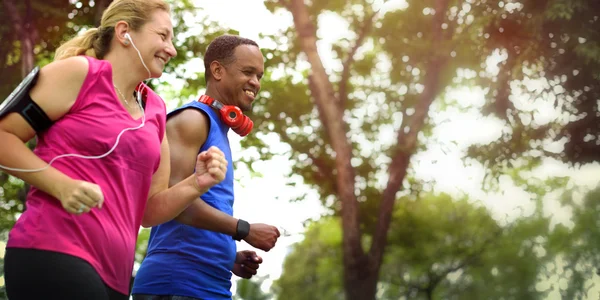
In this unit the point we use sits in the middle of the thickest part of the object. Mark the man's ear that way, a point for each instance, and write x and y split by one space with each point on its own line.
216 70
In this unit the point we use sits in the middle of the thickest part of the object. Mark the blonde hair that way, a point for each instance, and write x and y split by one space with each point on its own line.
95 42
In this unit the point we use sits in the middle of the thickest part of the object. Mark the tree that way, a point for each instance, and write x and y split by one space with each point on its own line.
439 248
314 267
551 52
36 29
340 133
250 289
385 76
551 58
577 245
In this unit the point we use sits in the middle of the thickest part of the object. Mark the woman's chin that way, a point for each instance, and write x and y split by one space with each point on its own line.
156 73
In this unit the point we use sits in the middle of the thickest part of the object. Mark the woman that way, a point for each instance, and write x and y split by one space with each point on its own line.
76 240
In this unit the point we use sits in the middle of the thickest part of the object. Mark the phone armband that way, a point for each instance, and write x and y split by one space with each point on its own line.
20 102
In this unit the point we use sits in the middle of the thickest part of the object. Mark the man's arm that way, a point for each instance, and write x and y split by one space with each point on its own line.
187 132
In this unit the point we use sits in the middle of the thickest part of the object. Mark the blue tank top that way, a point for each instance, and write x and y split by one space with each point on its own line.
186 261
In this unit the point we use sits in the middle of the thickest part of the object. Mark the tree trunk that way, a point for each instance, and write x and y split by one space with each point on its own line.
23 27
331 115
407 140
101 5
365 288
361 271
429 293
25 31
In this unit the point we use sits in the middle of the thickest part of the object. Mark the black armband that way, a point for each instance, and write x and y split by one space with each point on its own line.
242 230
20 102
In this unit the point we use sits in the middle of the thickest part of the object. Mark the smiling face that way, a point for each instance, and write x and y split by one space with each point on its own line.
239 81
155 42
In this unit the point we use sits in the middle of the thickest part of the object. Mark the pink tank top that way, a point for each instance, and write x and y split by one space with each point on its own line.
106 238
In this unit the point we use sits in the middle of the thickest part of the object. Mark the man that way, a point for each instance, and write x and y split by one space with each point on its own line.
193 256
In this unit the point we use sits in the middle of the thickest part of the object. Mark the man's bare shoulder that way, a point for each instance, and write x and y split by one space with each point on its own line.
190 125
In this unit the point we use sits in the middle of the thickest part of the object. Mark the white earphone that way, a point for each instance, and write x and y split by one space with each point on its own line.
128 37
139 102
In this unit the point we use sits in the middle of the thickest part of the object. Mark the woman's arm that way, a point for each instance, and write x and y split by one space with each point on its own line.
55 92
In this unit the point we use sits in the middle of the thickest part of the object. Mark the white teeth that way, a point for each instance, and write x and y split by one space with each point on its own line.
249 93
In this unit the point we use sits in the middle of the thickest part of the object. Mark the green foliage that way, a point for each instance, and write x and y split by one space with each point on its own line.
455 250
50 22
251 289
438 247
384 87
563 9
190 46
530 42
578 245
552 55
141 245
11 194
313 269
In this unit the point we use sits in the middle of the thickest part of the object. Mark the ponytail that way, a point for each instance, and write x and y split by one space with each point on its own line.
83 44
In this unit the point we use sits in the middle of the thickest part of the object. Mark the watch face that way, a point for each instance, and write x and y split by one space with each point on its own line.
243 229
25 84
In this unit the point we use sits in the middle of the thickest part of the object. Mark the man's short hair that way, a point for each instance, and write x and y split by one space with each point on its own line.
222 50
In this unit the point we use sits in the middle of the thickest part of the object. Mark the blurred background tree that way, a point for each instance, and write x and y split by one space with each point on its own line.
385 77
439 248
251 289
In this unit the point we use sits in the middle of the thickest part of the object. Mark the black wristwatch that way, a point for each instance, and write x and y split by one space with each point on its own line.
242 230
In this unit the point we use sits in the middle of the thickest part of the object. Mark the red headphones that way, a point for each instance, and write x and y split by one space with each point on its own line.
231 115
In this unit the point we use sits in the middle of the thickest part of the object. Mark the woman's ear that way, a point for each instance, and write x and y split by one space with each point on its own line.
121 33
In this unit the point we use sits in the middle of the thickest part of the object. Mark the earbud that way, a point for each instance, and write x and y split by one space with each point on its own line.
128 38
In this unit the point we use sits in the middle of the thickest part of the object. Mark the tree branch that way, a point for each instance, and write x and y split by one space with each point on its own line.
28 40
285 4
13 14
324 171
312 86
347 64
437 278
25 34
332 118
407 142
434 279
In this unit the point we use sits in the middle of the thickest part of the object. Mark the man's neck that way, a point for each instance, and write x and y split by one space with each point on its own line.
214 93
